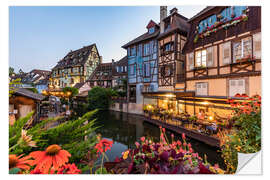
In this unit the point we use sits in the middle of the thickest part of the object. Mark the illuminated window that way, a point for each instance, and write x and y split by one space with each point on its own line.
200 58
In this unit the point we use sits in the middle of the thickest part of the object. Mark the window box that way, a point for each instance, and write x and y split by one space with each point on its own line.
199 68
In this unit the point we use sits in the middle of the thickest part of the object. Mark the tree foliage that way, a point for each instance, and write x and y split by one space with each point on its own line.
11 71
70 135
100 98
74 91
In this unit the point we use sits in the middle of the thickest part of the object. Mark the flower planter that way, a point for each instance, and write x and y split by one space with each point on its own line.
243 159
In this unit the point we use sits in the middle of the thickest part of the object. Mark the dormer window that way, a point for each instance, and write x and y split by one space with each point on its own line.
151 30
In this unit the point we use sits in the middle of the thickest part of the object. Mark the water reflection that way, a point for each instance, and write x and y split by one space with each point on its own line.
125 129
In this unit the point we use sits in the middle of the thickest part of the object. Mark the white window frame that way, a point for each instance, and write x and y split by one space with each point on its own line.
200 58
201 85
242 49
236 84
227 60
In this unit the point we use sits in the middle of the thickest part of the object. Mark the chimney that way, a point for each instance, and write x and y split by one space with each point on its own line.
174 10
163 14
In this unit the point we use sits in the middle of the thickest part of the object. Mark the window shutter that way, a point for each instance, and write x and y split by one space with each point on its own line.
257 45
201 89
226 53
191 60
210 56
241 86
237 86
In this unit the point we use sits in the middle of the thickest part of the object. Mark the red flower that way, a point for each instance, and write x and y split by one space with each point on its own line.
69 169
183 136
103 145
238 95
143 139
53 157
244 95
18 162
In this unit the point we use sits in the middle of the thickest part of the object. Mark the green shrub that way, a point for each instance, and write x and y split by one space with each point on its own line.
100 98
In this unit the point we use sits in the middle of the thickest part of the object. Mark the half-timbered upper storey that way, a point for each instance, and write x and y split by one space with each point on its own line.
142 54
223 51
102 76
75 67
172 38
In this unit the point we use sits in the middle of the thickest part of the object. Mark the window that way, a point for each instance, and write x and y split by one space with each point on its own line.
125 68
146 49
201 58
168 47
242 49
139 53
151 50
236 86
133 51
257 46
132 69
226 53
151 30
210 56
202 89
146 67
128 51
166 70
191 61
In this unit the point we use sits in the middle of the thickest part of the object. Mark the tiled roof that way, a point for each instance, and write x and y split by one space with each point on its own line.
208 8
121 62
78 85
143 37
77 57
29 94
179 23
99 72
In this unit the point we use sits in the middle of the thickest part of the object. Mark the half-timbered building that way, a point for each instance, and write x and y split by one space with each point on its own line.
102 76
119 72
172 38
222 58
75 67
142 63
223 54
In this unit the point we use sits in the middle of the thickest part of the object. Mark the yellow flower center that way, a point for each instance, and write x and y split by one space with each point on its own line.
13 160
53 150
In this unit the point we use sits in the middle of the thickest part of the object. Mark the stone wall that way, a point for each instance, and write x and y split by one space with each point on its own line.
132 108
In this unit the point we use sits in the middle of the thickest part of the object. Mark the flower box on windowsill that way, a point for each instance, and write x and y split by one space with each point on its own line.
244 60
199 68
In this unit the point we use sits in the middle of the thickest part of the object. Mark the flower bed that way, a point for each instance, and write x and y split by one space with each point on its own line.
161 158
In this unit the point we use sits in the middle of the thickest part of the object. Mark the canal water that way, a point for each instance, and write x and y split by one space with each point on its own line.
125 129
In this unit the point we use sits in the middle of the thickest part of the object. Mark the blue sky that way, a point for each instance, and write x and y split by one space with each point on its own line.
40 36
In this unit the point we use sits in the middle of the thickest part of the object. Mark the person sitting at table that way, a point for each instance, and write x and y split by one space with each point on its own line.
212 128
201 115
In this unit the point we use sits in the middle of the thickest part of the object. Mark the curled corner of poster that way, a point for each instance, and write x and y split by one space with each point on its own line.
250 164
